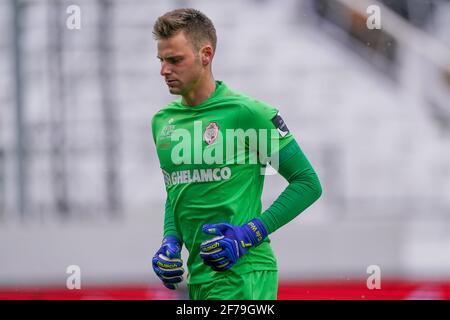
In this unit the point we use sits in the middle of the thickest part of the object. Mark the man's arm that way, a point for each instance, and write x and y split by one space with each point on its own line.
169 221
231 242
167 262
303 190
222 252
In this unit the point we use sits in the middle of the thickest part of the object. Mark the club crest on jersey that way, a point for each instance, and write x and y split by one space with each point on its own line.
211 132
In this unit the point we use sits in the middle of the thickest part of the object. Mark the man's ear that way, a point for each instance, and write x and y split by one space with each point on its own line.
207 55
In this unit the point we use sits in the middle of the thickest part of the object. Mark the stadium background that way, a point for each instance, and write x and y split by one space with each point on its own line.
80 182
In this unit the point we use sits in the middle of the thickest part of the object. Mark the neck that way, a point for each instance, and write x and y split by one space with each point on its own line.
201 91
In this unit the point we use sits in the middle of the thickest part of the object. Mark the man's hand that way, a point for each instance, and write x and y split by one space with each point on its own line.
167 262
231 243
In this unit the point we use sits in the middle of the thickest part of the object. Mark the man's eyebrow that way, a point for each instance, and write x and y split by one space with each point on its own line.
170 57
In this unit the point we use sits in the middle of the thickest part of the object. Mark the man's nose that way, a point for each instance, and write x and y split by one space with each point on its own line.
165 70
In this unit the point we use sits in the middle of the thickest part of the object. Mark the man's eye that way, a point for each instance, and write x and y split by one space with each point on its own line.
175 61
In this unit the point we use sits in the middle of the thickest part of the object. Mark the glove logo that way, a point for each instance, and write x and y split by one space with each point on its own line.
211 247
166 265
243 244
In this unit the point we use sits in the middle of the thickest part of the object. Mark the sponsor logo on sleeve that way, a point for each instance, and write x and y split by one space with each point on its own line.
282 128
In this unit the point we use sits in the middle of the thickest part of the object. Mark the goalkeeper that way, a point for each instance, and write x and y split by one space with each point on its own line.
213 204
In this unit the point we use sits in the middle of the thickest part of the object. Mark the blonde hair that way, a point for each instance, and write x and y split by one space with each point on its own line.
197 27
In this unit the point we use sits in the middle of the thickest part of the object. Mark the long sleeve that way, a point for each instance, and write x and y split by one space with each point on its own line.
303 190
169 221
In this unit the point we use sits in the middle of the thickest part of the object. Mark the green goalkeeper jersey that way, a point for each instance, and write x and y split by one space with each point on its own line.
213 156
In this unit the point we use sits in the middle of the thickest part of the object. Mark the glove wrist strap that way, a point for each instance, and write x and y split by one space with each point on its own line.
172 239
256 231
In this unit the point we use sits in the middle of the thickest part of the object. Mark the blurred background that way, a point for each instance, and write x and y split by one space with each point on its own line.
80 182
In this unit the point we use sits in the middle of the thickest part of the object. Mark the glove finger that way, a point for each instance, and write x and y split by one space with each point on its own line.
165 262
232 250
172 271
220 245
171 286
163 266
211 245
168 273
218 259
225 258
214 256
218 228
172 279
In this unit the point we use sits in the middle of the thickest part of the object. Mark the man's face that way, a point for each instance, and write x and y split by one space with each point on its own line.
180 65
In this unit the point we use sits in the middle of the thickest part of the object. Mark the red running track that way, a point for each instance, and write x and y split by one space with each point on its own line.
314 290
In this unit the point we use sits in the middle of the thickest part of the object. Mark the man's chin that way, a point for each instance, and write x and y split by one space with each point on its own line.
176 91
